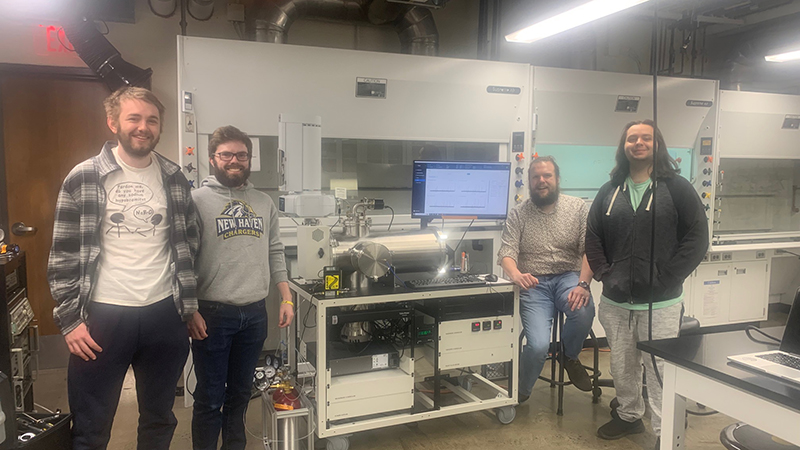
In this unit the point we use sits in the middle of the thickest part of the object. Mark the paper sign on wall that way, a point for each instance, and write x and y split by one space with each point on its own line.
710 298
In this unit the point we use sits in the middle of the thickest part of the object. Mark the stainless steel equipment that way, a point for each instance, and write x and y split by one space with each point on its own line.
373 255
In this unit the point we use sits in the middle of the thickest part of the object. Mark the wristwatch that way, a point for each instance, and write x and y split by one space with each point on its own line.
584 285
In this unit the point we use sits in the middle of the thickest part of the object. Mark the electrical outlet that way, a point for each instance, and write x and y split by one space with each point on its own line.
761 254
716 257
727 256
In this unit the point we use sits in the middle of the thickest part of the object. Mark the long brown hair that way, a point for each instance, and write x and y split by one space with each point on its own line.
666 167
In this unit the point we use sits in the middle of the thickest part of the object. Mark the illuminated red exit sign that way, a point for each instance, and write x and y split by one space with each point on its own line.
51 39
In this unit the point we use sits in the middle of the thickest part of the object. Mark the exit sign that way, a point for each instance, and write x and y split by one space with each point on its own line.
50 40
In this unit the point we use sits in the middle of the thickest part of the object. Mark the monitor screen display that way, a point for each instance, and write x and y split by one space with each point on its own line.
452 188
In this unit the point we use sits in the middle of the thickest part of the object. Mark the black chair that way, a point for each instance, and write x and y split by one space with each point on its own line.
740 436
557 358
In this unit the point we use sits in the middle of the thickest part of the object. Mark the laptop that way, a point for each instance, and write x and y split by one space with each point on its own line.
783 363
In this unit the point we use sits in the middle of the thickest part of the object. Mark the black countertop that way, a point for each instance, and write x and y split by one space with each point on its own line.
707 354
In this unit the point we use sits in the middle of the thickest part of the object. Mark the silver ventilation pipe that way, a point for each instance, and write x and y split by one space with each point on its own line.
270 20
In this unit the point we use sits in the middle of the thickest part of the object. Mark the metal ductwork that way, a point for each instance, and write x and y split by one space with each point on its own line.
270 20
98 53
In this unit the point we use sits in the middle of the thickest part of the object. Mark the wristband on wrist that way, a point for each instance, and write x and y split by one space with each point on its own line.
287 302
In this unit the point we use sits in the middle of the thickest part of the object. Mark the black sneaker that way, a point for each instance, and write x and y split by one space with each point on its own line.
578 375
618 428
523 398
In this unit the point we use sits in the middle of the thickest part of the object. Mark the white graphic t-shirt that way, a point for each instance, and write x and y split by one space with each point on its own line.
135 257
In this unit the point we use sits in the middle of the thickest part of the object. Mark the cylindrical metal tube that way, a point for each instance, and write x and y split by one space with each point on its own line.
287 433
414 251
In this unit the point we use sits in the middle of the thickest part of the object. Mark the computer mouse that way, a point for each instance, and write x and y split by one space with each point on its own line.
491 278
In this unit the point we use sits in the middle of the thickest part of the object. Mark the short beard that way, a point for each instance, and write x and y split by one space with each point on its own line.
231 182
126 143
547 200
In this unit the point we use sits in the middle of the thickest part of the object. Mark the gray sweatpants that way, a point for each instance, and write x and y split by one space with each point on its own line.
624 328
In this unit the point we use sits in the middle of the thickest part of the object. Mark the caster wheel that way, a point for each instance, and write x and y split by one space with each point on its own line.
465 382
596 393
338 443
506 414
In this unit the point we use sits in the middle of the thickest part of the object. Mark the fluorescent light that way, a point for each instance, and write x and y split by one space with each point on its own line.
575 17
783 57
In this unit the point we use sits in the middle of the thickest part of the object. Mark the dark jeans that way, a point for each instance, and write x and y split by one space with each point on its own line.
224 364
153 340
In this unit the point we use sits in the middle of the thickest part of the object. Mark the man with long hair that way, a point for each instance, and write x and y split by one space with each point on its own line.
618 248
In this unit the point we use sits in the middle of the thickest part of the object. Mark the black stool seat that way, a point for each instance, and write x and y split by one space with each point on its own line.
740 436
557 356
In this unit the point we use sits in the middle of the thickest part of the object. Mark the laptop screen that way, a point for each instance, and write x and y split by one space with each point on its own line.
791 336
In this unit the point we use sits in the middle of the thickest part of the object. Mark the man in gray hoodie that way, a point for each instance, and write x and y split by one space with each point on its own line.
238 229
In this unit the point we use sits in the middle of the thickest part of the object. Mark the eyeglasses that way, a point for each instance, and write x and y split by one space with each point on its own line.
227 156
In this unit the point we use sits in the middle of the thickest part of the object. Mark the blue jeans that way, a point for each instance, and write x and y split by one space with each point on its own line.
536 311
224 364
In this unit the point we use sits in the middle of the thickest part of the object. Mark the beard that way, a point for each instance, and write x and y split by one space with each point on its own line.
548 199
133 149
231 181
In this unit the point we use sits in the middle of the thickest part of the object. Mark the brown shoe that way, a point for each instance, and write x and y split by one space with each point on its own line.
578 375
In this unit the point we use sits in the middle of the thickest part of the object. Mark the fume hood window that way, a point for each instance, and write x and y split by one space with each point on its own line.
758 196
380 168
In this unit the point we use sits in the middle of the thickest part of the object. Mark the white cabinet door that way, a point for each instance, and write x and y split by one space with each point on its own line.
749 296
711 294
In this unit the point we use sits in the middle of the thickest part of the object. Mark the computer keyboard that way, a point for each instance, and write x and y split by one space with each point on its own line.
445 282
783 359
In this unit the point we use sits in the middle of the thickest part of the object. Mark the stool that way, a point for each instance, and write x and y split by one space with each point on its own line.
557 357
740 436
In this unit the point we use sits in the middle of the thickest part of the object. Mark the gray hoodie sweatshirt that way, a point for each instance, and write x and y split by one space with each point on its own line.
238 229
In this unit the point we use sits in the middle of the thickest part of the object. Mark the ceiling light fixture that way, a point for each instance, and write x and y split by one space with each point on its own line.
575 17
783 57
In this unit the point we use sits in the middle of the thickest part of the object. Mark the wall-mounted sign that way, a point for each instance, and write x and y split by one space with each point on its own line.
51 39
371 87
627 103
503 90
699 103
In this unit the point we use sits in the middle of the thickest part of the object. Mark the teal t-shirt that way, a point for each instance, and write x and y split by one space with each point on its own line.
637 193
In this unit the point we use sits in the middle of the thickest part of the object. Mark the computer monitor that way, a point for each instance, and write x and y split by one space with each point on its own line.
457 188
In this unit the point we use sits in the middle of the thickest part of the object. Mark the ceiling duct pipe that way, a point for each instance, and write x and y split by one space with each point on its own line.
270 20
102 57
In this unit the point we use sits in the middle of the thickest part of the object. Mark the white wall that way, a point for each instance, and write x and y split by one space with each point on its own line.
151 42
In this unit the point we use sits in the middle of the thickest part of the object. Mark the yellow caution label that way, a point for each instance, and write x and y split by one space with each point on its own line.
331 282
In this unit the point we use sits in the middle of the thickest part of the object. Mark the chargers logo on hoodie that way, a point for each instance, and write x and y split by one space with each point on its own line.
239 219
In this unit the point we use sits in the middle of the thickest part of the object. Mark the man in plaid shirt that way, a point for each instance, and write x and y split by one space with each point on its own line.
121 273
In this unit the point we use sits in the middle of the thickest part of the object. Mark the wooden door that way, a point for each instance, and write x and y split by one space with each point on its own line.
49 124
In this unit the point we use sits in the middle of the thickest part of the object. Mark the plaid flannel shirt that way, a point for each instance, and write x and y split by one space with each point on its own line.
76 237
